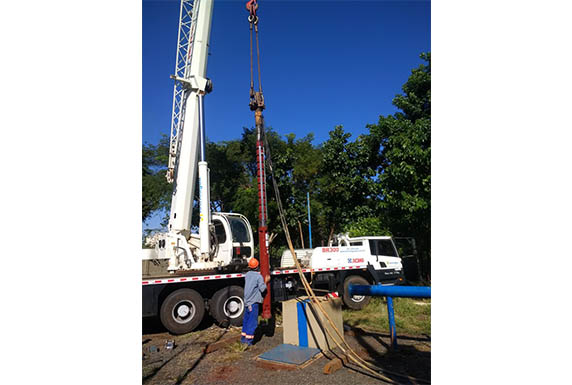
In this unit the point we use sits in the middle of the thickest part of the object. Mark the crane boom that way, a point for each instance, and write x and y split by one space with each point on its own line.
224 240
187 22
187 147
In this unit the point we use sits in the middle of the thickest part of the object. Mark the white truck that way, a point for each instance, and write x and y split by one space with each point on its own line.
185 274
377 253
181 300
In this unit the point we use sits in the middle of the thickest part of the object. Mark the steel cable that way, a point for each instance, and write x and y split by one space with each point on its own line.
258 57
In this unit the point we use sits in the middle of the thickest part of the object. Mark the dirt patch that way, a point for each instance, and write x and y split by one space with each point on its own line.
223 373
187 363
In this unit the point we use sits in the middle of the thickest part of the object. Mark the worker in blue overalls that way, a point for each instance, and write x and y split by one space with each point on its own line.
254 286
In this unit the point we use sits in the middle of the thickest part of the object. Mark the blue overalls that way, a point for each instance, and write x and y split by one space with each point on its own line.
254 286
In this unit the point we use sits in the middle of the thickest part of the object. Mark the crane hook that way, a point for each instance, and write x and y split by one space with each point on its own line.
251 7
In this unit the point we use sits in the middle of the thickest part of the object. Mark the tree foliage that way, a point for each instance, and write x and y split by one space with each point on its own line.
346 183
156 192
404 159
366 226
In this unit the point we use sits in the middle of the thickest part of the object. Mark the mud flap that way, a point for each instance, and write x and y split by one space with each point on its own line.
374 273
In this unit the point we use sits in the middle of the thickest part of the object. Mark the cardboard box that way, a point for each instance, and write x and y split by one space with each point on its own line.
301 327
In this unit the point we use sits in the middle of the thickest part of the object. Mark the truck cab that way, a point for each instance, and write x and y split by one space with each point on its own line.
378 251
232 245
234 237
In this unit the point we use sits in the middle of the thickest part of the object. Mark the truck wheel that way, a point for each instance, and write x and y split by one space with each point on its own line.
356 302
182 311
227 306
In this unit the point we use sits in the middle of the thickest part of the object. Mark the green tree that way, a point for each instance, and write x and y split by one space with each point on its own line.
156 192
367 226
346 186
295 166
227 174
404 161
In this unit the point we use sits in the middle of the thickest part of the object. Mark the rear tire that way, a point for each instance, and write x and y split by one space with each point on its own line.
182 311
227 306
357 302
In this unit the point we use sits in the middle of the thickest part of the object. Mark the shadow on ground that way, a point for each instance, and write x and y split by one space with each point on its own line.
410 360
152 325
196 343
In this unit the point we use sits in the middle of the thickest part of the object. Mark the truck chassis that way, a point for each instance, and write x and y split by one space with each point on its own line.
181 301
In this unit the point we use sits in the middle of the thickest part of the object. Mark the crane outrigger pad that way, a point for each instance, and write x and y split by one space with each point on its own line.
287 354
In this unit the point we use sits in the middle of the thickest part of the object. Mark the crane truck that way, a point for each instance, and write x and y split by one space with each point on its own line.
186 274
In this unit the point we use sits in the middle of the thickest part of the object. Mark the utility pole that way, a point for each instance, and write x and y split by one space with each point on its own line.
309 220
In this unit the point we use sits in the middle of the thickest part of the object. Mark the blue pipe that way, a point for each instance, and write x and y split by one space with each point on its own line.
391 318
391 291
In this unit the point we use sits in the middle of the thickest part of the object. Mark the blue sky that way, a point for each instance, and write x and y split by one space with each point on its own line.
324 63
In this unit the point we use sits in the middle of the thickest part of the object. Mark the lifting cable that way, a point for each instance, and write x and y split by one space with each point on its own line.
252 6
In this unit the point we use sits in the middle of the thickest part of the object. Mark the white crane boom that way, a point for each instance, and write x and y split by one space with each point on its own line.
224 239
187 128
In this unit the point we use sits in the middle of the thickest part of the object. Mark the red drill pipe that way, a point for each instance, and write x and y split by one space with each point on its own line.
262 227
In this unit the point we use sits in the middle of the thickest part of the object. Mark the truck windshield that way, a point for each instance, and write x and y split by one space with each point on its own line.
385 247
239 230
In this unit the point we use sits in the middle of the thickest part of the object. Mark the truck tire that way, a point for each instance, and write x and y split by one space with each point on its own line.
357 302
227 306
182 311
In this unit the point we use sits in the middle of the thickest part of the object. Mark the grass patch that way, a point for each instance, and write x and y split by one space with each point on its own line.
229 356
237 347
232 352
187 336
149 371
412 315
